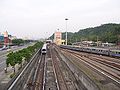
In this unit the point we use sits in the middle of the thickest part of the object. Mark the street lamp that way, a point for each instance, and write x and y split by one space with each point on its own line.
66 30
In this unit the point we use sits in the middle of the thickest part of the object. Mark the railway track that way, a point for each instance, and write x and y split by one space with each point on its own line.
21 80
50 80
110 63
92 63
108 60
73 82
29 82
61 84
38 82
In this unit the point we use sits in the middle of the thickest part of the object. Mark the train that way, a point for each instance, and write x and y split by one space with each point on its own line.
44 49
100 51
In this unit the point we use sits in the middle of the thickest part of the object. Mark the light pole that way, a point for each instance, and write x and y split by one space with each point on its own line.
66 30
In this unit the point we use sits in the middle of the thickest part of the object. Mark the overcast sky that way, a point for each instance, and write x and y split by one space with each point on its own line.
41 18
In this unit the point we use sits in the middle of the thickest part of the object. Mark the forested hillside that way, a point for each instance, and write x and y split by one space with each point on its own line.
104 33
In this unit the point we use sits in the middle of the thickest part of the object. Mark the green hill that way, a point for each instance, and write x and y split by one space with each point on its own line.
105 33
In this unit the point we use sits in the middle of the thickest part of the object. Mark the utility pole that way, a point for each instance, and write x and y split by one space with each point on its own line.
66 30
97 41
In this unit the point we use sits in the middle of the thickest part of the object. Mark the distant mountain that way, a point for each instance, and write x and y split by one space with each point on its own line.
105 33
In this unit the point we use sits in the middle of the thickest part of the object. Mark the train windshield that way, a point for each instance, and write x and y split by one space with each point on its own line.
44 50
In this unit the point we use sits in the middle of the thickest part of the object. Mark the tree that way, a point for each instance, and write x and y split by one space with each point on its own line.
14 58
11 60
18 42
18 58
